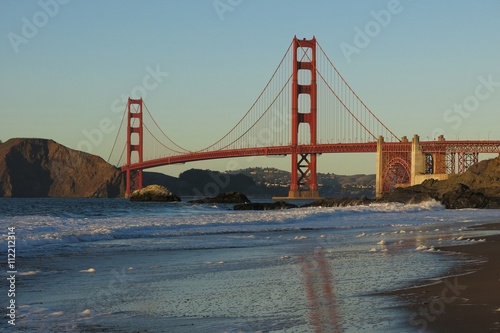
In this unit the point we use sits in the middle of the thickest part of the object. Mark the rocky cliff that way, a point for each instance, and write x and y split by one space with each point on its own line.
478 187
44 168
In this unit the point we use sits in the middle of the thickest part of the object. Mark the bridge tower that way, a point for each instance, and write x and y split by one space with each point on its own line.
304 182
135 143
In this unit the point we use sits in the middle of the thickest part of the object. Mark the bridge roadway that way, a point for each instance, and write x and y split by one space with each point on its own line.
486 146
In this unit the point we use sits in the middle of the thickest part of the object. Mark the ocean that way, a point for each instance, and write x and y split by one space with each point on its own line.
110 265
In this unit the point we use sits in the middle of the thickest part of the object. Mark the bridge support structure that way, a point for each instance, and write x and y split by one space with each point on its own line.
135 144
407 163
393 166
304 182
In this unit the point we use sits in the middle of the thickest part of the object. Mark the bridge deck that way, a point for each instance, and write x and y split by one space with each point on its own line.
485 146
369 147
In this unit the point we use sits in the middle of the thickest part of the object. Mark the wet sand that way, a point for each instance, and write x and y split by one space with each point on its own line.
466 301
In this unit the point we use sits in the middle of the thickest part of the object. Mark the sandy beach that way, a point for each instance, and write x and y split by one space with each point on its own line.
468 300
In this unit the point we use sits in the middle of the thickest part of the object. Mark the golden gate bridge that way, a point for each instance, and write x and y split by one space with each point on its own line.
306 108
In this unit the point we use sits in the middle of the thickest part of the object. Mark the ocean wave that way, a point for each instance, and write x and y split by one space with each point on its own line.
36 233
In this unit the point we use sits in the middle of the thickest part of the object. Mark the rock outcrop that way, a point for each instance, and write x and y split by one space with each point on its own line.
44 168
154 193
478 187
225 198
278 205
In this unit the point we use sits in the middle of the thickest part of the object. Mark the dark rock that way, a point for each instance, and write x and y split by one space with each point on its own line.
154 193
226 197
463 197
478 187
411 195
278 205
343 202
44 168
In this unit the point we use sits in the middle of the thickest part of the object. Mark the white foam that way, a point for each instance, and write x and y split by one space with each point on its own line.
44 233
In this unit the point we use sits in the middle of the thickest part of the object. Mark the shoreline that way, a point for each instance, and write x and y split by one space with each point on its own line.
465 301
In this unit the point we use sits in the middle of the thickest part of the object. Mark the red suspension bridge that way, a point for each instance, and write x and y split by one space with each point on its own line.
306 108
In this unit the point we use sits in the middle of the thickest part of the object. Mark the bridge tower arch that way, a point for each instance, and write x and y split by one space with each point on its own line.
304 182
135 143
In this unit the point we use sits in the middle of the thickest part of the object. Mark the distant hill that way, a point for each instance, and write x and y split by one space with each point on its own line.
203 183
44 168
271 181
259 182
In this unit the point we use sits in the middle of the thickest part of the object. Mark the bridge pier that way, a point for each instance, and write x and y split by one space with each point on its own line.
417 160
427 165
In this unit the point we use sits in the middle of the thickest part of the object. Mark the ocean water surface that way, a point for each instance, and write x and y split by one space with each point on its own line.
109 265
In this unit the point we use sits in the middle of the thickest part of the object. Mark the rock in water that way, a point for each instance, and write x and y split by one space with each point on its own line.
225 197
154 193
265 206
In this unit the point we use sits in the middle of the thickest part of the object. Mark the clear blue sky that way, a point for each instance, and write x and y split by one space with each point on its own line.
67 74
